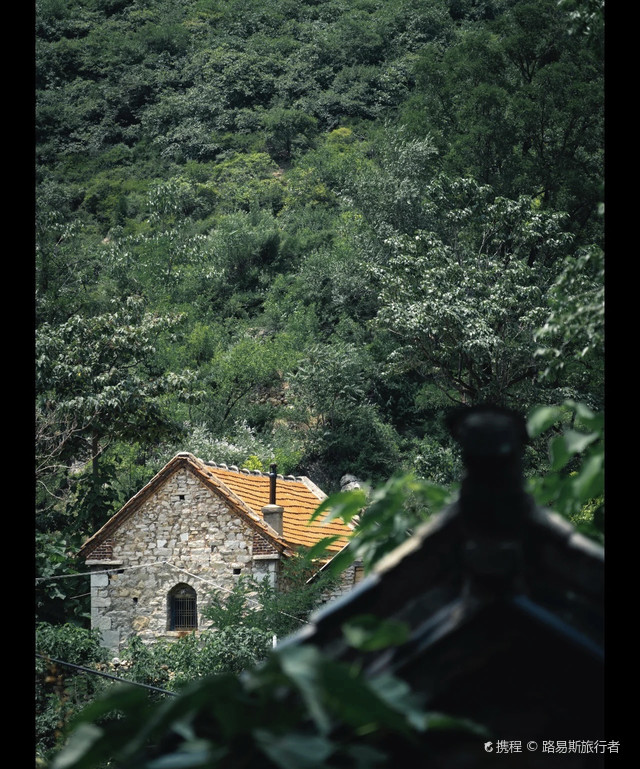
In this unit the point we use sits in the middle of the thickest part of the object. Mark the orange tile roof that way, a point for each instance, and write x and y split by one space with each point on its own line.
298 499
248 493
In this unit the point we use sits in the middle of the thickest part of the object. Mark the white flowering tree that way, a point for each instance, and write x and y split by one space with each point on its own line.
464 294
98 381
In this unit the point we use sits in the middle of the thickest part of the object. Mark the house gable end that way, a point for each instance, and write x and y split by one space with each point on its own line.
101 545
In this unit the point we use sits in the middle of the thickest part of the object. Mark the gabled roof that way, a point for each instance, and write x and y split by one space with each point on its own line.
247 493
298 496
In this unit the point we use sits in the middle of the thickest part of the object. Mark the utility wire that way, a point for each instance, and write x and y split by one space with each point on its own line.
104 675
103 571
220 587
173 566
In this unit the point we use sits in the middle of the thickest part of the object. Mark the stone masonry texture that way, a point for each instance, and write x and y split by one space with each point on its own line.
182 534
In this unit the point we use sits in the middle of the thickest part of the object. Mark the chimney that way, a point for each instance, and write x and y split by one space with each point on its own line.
273 512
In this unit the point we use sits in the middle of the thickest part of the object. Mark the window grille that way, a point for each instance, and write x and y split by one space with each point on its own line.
183 613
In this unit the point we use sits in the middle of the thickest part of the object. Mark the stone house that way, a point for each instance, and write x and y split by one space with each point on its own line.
194 528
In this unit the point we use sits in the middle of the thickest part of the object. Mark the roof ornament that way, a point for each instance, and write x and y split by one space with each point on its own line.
493 504
349 482
492 493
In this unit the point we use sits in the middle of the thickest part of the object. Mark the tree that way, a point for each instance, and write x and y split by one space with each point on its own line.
67 259
330 392
62 692
245 376
572 337
464 293
97 381
516 101
286 129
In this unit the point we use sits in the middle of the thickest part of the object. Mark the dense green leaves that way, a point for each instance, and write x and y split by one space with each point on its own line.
257 605
465 292
98 382
97 375
572 337
361 212
298 709
574 482
59 596
385 517
61 692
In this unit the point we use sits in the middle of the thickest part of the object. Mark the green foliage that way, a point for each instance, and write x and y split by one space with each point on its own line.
572 337
96 374
61 692
97 382
246 181
70 643
299 709
329 380
287 129
58 597
239 648
463 293
330 393
273 611
574 483
436 461
516 100
587 20
385 517
241 445
246 378
172 665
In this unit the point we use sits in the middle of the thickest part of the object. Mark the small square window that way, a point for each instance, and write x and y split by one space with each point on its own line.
237 571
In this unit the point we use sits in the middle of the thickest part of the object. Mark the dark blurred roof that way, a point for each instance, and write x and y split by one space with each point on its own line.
504 601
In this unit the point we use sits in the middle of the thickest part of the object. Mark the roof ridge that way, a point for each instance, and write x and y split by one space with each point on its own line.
255 473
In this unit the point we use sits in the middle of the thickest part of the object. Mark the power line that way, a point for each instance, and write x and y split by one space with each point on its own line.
104 675
173 566
103 571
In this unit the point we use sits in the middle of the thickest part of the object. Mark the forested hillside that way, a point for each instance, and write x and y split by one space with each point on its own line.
300 230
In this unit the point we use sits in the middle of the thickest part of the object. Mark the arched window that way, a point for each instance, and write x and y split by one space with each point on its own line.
183 610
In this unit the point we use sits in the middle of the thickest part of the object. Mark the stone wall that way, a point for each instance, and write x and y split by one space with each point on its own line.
348 579
184 533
